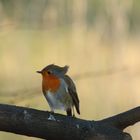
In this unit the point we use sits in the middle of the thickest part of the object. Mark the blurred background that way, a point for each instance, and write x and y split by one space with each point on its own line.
99 40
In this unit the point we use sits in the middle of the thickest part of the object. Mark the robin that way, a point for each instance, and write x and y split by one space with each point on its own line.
59 89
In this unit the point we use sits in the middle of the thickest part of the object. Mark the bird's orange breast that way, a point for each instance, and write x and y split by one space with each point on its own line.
50 82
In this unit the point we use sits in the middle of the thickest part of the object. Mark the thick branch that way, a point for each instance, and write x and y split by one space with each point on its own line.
125 119
41 124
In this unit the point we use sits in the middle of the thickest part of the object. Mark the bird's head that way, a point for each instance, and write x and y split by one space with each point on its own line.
54 70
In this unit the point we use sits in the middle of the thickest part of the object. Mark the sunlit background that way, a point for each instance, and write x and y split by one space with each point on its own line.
99 40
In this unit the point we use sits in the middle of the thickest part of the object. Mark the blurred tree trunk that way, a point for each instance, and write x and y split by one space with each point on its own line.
79 9
117 18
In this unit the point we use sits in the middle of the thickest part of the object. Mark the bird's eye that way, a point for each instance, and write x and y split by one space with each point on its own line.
49 72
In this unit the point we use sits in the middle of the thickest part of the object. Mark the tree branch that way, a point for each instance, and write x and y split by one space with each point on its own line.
43 124
123 120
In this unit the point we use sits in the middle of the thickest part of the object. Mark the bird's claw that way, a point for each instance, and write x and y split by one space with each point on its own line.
52 118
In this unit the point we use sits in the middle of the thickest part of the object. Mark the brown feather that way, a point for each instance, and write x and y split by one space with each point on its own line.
72 92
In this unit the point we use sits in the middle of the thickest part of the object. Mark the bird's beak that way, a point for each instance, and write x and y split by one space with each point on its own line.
39 72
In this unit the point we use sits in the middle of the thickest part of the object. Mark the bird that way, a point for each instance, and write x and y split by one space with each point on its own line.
59 89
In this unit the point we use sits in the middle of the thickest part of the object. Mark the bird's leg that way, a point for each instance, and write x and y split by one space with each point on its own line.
73 112
52 111
69 112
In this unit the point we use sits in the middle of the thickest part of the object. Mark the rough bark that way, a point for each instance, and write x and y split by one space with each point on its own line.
43 124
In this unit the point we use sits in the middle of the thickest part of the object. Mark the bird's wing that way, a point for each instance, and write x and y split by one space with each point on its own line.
72 92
